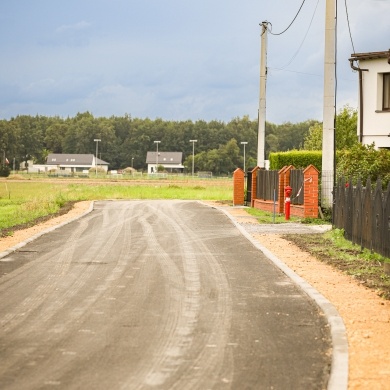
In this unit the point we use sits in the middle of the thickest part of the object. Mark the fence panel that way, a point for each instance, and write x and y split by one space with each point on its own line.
386 222
339 206
348 211
364 215
267 185
248 187
367 217
297 184
357 214
377 225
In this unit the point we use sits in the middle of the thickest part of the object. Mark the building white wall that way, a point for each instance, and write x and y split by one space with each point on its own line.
376 123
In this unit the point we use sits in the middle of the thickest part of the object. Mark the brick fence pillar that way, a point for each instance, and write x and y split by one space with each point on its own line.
238 187
255 171
310 177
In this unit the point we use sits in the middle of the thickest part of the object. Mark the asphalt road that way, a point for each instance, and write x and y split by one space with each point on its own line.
155 295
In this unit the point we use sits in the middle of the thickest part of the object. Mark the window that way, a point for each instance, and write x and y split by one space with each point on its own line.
386 92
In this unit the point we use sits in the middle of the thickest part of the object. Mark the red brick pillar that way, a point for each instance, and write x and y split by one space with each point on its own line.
238 187
310 177
254 185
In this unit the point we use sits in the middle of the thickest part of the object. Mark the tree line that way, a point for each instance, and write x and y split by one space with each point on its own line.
125 141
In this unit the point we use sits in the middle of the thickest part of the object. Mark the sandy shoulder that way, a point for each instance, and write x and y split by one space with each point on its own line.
366 315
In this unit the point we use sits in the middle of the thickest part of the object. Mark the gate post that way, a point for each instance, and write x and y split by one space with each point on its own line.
310 203
255 170
238 187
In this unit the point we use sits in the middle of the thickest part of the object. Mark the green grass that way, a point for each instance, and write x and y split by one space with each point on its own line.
24 202
333 249
267 217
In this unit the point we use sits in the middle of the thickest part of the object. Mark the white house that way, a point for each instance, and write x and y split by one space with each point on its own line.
374 97
171 161
74 162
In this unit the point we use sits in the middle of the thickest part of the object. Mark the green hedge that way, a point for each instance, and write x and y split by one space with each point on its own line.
298 158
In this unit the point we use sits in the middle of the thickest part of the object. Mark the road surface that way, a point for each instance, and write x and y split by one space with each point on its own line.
155 295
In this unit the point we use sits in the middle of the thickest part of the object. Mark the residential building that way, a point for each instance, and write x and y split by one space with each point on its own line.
74 162
171 161
374 97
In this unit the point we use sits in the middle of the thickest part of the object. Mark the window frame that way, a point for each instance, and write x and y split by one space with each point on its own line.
386 92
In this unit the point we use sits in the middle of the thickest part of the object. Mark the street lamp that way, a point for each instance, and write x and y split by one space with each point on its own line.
157 142
193 154
244 143
97 140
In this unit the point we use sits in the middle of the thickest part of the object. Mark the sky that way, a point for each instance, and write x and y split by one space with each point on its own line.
178 59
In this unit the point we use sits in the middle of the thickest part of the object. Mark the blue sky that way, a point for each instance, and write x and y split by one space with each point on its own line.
176 60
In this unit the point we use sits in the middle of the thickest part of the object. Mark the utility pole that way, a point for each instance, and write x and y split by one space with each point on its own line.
157 142
244 143
262 102
97 140
193 155
329 105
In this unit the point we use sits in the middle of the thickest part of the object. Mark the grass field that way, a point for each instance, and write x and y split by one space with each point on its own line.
22 202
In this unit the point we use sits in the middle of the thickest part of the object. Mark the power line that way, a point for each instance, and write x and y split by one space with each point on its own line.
349 27
291 22
304 38
295 71
306 73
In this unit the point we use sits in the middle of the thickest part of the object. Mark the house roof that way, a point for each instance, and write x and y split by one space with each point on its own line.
164 158
371 55
73 159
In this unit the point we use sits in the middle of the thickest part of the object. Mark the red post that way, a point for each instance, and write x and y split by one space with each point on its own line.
287 193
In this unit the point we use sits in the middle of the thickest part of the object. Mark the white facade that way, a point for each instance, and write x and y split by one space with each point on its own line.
374 92
171 161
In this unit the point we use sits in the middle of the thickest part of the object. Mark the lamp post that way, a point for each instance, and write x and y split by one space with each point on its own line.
157 142
244 143
97 140
193 154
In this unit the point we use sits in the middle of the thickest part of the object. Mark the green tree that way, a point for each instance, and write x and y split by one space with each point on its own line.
363 162
346 128
346 131
313 140
55 135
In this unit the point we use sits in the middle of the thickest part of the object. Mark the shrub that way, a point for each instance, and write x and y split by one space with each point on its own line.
297 158
4 170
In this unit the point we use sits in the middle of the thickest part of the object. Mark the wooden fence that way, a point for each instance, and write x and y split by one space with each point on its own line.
364 214
268 184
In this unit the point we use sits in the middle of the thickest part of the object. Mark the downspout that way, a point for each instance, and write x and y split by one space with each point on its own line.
351 60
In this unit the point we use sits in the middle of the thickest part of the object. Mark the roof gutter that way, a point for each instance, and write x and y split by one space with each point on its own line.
351 61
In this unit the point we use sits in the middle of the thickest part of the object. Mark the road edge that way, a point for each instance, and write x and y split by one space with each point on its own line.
48 230
338 378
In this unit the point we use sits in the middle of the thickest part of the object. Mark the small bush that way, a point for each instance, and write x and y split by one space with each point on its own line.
4 170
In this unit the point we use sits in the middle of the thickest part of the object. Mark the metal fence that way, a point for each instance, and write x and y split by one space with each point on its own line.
364 214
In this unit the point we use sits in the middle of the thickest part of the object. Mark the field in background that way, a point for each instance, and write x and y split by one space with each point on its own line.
23 201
